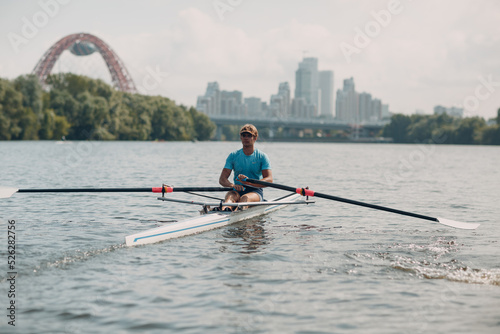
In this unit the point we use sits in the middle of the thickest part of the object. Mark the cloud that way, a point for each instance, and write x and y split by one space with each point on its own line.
432 53
198 48
207 46
409 65
204 45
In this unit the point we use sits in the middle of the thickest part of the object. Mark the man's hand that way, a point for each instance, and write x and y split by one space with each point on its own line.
242 179
238 187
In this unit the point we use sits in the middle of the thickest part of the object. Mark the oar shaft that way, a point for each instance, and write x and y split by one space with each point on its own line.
186 189
273 185
89 190
374 206
308 192
123 190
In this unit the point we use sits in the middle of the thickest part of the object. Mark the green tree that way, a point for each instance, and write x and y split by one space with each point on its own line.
31 90
61 127
29 125
397 128
5 121
83 108
231 132
469 131
204 128
162 118
491 135
4 126
12 110
420 129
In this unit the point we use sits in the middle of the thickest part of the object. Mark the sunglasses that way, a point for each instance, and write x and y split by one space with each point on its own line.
246 135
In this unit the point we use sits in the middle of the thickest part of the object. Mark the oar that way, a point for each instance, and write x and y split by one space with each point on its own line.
8 192
307 192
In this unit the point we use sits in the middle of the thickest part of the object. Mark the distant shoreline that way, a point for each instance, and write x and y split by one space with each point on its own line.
329 140
262 140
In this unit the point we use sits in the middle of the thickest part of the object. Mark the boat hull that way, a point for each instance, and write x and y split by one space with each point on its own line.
205 222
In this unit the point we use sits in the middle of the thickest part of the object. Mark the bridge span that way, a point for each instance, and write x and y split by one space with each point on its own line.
297 124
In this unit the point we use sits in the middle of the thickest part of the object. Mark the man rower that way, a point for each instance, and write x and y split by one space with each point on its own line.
246 162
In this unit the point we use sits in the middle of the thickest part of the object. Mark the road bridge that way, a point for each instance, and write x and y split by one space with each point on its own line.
291 123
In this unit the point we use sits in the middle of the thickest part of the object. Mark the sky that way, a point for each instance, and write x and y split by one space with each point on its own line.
411 54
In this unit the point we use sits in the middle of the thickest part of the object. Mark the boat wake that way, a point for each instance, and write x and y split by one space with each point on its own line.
432 267
435 260
67 260
80 256
451 271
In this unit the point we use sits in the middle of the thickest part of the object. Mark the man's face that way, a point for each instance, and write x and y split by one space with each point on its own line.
247 139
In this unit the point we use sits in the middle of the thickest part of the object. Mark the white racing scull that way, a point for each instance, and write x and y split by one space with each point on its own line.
211 219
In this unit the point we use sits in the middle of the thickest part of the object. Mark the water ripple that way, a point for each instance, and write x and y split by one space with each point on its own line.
322 268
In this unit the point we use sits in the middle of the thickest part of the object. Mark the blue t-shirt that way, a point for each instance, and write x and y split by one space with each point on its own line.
249 165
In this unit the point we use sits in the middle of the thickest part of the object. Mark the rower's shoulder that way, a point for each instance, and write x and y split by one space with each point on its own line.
260 153
238 152
235 153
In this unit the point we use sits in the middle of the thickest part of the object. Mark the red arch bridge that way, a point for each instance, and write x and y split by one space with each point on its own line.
83 44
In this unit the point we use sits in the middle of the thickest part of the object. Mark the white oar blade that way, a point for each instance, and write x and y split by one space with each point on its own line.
455 224
6 192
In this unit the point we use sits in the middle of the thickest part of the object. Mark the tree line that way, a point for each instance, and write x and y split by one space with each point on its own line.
80 108
442 129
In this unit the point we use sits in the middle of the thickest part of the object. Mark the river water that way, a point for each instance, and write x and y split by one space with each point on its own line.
324 268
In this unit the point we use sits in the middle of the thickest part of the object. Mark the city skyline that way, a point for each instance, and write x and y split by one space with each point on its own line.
306 102
451 60
313 98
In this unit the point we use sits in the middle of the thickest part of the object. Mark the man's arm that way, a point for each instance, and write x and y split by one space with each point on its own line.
224 178
267 176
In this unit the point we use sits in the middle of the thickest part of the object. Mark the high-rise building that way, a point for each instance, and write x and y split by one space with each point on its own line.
204 104
315 87
216 102
231 103
284 92
365 106
210 102
276 106
385 114
453 111
265 108
306 81
349 85
438 110
347 106
254 106
457 112
376 112
326 93
299 107
358 108
280 104
302 109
